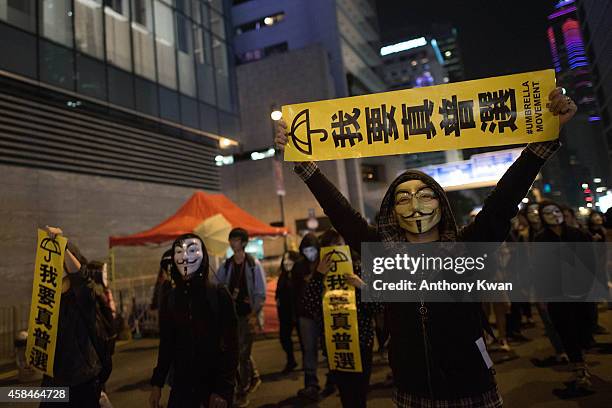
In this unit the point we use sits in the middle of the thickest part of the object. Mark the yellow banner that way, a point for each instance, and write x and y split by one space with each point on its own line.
486 112
46 296
340 313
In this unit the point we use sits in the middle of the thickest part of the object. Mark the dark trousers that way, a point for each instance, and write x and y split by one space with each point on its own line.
85 395
572 323
287 322
353 387
517 311
593 316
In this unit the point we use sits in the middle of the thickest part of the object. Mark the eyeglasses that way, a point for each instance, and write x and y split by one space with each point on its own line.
425 195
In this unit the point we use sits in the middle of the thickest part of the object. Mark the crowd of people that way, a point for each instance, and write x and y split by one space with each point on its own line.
208 319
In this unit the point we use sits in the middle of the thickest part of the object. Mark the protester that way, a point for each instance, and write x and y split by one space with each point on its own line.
244 276
198 337
519 235
571 319
285 306
353 387
105 313
599 236
533 217
570 217
303 271
77 363
428 369
560 356
163 284
501 308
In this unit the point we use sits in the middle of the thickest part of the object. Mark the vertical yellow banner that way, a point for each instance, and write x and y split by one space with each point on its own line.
340 312
46 296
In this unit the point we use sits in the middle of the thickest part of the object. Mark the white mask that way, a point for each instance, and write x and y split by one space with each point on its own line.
188 256
417 207
311 253
552 215
105 274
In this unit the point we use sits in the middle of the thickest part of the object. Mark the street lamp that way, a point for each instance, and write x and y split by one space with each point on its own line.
276 115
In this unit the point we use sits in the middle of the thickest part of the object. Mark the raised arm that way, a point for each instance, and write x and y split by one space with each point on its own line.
345 219
492 224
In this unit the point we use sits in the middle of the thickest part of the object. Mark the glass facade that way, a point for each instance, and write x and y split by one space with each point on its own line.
165 58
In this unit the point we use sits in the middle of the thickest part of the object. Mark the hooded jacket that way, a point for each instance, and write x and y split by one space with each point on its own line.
433 351
198 336
302 274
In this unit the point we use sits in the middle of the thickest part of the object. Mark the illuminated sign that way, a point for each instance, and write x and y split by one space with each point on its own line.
482 170
403 46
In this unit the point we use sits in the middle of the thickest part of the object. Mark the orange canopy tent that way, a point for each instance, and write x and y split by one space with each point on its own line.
198 208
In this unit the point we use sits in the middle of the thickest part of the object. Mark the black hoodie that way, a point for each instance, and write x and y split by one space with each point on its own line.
198 335
438 359
301 274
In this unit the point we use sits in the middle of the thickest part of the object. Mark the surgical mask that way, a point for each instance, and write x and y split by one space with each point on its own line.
311 253
188 256
417 207
552 215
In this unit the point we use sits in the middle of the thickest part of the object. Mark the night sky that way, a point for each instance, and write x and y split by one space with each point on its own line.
496 37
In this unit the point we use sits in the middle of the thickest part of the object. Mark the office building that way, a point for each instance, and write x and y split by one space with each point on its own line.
584 154
111 115
595 20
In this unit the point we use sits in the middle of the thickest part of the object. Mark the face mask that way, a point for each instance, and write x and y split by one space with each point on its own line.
417 207
532 214
188 256
104 275
552 215
311 253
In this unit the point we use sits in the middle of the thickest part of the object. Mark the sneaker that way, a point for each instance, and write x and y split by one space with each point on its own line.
503 346
291 365
255 383
582 379
328 390
311 392
242 401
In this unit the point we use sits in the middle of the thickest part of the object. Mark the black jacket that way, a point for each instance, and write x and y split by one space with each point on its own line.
573 262
76 361
198 338
437 358
300 276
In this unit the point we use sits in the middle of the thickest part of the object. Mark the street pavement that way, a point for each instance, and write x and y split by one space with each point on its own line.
523 384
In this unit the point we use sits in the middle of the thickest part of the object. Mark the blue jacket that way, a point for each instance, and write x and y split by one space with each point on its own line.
256 283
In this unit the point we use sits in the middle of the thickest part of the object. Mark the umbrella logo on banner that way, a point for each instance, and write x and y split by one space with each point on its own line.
304 146
336 257
51 246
